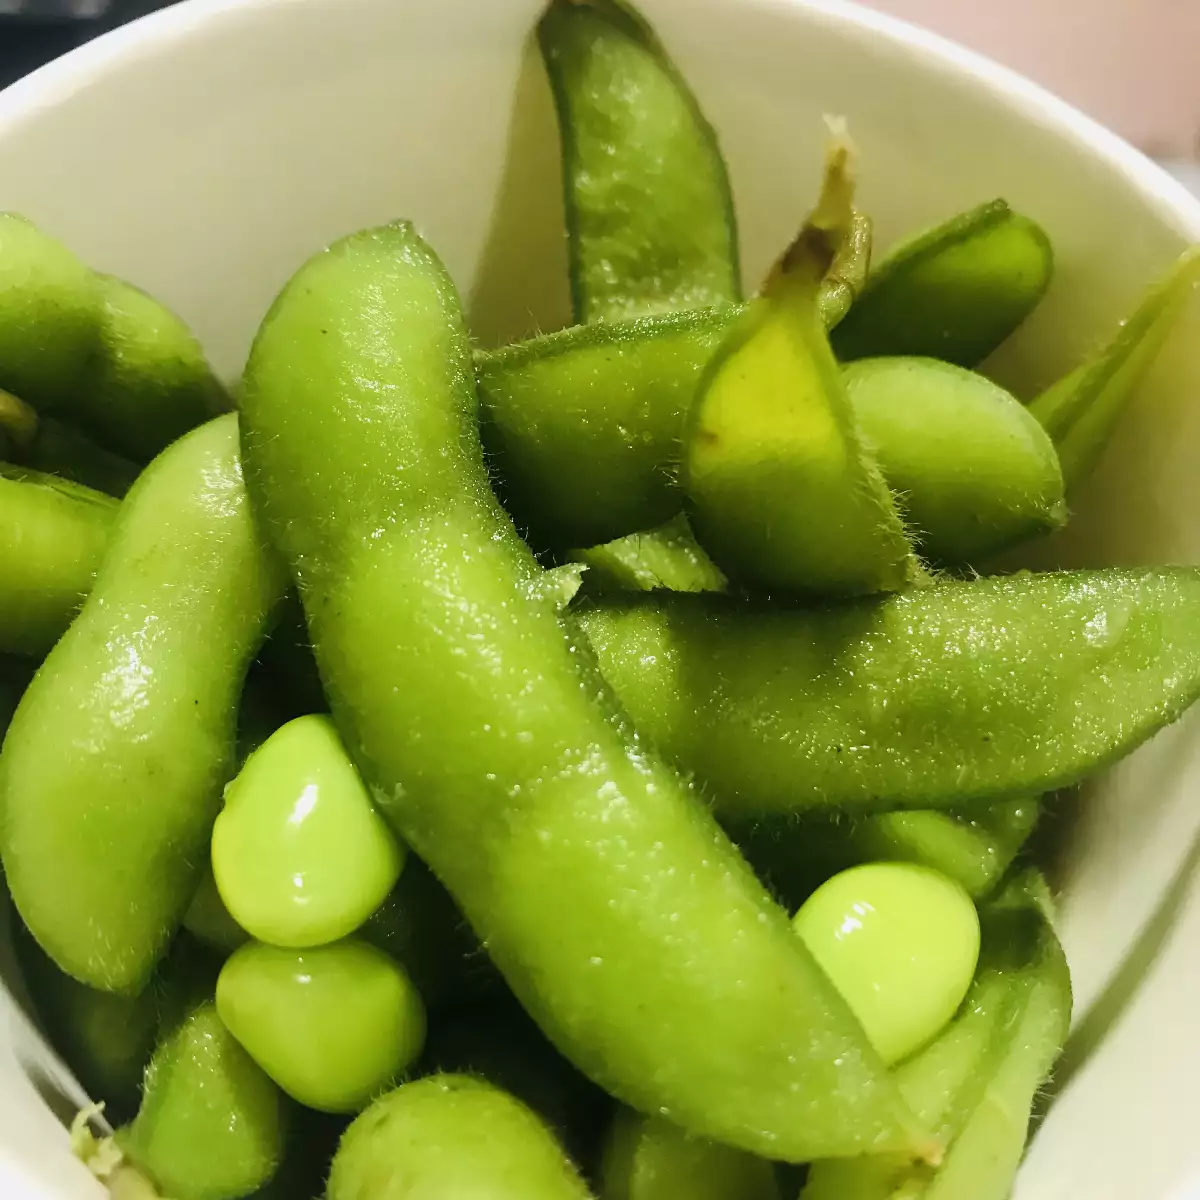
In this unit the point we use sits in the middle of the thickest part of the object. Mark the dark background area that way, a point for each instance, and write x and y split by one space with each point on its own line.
26 43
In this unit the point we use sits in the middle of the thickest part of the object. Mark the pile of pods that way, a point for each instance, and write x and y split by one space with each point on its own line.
674 846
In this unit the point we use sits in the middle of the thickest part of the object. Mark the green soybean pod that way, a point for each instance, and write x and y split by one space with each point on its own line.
450 1135
152 382
1007 1033
112 771
975 472
667 557
650 216
53 535
1081 410
953 292
647 1158
50 306
585 424
783 491
930 699
588 869
211 1125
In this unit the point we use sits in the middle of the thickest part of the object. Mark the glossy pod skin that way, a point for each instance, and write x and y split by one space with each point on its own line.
211 1125
450 1135
974 472
953 292
53 534
975 1084
647 1158
649 212
930 699
96 350
621 916
112 770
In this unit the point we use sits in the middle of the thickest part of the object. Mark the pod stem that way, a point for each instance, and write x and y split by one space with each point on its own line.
832 234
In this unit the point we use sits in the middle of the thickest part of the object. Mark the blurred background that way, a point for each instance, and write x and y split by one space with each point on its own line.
1132 64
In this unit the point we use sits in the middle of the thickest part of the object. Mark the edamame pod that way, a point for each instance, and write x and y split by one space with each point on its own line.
450 1135
976 1083
50 304
1082 409
152 382
929 699
104 1038
585 425
954 292
974 471
53 534
211 1125
649 212
97 349
782 490
667 557
587 868
974 846
648 1158
112 770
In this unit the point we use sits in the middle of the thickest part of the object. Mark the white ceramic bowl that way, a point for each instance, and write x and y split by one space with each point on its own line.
204 152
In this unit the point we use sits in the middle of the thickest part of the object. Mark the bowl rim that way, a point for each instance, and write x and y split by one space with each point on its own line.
66 78
63 78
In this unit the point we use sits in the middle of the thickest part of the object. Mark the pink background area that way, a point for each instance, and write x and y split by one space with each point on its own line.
1132 64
